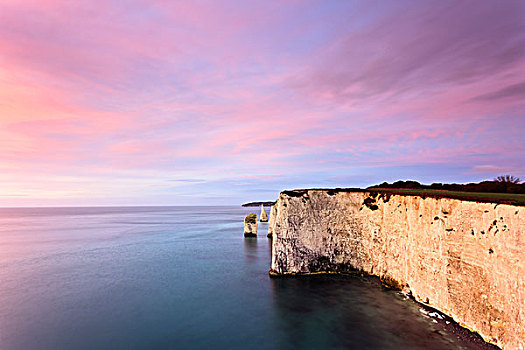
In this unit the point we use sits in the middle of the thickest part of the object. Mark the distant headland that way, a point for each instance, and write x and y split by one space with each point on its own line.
258 204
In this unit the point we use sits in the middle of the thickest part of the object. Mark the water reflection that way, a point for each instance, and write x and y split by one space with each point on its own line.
175 281
353 313
251 249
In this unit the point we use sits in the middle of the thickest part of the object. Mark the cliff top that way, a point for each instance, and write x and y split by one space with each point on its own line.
251 218
482 197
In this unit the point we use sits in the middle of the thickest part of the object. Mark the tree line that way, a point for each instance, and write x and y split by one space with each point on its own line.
501 184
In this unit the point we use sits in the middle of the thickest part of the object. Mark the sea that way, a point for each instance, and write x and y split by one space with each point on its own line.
186 278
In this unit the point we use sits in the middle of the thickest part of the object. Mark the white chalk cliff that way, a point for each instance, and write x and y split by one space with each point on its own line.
464 258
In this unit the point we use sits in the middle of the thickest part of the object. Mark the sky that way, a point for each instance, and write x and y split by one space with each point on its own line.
157 102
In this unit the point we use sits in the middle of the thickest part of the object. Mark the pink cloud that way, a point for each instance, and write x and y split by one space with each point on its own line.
163 89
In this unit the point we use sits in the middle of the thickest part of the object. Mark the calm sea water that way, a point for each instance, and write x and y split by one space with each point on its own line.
182 278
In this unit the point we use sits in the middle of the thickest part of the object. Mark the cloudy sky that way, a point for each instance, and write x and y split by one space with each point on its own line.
145 102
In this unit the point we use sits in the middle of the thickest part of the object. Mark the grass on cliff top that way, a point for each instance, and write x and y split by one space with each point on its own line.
251 218
486 197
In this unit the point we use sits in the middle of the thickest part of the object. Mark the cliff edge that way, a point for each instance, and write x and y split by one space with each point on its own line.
461 257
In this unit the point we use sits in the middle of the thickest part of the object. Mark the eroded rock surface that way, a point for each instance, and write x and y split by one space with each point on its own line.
464 258
271 223
263 216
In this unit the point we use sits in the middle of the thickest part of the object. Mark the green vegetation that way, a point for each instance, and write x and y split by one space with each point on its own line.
505 189
251 218
500 198
508 179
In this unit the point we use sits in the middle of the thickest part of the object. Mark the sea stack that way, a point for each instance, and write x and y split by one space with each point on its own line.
264 216
250 225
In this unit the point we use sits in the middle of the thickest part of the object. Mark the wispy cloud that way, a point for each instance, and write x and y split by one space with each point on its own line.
189 180
513 91
168 101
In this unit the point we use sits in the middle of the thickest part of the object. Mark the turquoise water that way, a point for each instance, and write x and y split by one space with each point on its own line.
183 278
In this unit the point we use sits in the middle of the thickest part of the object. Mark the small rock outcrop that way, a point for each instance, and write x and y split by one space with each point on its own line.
264 216
250 225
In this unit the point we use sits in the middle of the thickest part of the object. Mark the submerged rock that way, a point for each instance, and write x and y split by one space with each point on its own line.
264 216
250 225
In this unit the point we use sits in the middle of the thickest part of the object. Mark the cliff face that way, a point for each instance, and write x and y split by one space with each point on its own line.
272 221
466 259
